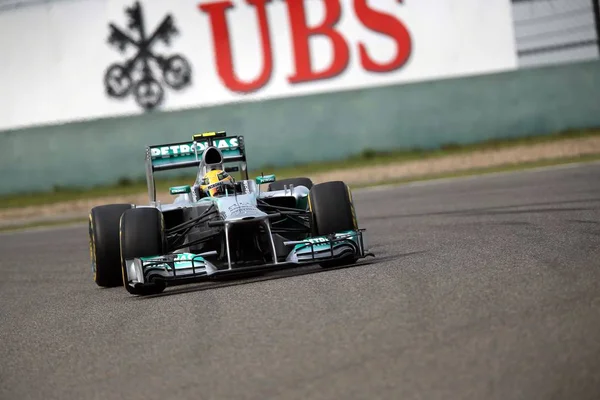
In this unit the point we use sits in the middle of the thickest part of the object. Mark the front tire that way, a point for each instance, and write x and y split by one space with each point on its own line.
332 212
332 208
104 244
142 235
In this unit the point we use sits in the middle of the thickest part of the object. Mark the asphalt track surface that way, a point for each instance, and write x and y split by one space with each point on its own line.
484 288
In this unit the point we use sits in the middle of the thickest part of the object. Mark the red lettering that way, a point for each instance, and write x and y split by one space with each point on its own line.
301 34
222 45
387 25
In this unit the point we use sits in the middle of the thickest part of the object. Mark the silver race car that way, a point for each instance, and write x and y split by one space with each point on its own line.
220 226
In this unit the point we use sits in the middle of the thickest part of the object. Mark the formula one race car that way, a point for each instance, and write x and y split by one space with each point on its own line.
220 226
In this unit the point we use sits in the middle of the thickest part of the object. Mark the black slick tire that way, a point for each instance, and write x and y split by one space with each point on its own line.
278 185
332 212
105 254
142 235
332 208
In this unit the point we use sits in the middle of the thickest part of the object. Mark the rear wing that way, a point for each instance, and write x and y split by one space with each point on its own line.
179 155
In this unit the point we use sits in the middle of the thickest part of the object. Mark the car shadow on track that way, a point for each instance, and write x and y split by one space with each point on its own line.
268 276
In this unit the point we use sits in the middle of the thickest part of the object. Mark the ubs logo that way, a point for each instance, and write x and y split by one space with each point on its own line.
138 73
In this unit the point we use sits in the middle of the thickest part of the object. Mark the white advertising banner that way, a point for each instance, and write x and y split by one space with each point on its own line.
73 60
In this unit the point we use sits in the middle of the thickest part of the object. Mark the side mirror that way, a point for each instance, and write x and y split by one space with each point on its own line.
180 189
265 179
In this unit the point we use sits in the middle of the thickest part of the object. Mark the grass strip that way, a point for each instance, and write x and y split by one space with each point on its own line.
457 174
366 158
489 170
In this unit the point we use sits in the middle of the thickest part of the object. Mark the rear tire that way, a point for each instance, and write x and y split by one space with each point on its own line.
142 235
278 185
333 211
104 244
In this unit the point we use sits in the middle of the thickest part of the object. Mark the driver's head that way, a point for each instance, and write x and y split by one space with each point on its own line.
212 182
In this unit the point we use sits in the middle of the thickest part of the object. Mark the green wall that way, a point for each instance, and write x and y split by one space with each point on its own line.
319 127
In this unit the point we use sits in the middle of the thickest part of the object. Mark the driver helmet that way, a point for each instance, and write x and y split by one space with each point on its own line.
213 182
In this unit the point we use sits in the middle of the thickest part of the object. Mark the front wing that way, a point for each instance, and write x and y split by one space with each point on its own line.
188 267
